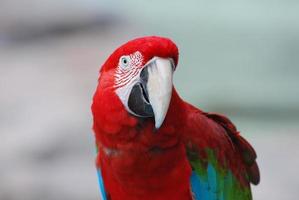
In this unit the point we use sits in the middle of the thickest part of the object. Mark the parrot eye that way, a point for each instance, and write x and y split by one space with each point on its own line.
124 61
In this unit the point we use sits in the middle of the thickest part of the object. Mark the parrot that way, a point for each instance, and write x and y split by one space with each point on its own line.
153 145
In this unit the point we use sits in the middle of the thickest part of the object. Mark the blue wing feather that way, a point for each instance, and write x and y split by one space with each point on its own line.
213 186
103 194
205 188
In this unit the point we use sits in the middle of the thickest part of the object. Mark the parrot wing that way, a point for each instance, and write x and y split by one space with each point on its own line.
223 162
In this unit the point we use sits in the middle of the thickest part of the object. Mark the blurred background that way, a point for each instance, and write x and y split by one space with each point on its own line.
237 58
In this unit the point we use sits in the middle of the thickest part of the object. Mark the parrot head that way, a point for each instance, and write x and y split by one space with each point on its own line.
141 76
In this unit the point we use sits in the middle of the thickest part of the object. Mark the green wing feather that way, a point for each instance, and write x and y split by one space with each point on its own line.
209 181
223 162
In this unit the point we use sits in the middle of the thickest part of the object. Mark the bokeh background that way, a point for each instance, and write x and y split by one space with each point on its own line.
240 58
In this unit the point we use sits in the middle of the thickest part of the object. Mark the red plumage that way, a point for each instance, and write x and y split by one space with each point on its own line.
139 162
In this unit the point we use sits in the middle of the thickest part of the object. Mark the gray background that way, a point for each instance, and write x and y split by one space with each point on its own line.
237 58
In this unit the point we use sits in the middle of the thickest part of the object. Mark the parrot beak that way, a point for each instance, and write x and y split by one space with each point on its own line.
159 87
151 96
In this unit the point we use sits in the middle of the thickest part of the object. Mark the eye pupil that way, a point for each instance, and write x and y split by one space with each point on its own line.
124 61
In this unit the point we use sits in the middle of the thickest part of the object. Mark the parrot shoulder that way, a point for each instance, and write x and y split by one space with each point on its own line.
248 154
223 162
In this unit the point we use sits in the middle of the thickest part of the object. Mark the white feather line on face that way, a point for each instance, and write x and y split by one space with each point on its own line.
125 79
124 92
123 75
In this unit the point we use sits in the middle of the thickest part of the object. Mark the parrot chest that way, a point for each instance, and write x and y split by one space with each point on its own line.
157 173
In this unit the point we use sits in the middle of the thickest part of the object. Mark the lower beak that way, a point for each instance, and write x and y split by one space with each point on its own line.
156 89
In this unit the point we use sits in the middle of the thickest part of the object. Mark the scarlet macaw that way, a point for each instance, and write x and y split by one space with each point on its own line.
152 145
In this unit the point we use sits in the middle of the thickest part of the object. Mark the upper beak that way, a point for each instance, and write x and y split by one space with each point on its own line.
152 95
159 87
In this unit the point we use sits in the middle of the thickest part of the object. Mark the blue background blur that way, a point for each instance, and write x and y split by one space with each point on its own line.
237 58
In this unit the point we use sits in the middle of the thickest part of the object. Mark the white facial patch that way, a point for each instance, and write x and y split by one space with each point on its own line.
126 75
128 68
